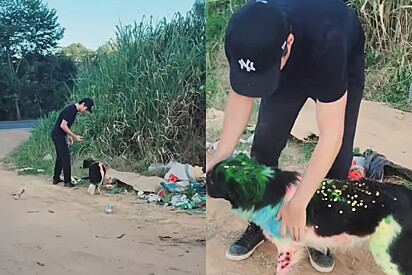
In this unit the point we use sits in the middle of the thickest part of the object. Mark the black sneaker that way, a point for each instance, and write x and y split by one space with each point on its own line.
69 184
247 244
57 181
320 261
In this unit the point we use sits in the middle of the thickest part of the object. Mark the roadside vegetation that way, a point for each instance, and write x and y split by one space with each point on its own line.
149 91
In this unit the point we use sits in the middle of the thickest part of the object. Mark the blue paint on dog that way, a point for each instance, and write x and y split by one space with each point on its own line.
265 218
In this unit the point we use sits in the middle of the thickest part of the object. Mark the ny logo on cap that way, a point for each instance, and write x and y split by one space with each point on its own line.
248 65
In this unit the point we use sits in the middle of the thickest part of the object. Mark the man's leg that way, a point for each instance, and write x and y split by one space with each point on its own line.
277 115
58 165
341 167
64 153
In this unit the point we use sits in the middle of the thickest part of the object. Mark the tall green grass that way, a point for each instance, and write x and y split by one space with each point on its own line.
218 13
149 94
388 29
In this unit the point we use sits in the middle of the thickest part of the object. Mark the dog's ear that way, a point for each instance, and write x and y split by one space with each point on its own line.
215 184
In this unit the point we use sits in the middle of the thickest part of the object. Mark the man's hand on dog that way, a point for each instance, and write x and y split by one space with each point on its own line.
293 216
209 166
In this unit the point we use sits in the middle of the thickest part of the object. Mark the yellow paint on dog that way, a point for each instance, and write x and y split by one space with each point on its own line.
386 232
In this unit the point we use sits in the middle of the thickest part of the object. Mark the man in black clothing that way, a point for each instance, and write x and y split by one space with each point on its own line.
284 52
63 137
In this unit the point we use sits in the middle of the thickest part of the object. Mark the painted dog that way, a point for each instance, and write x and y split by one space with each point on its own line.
340 215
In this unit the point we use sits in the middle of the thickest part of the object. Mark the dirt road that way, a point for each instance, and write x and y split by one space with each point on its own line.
53 230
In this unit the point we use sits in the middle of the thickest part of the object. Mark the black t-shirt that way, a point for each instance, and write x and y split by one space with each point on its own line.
328 36
68 114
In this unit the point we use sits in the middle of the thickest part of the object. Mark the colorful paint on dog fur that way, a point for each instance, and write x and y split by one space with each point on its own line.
243 169
386 232
341 215
265 218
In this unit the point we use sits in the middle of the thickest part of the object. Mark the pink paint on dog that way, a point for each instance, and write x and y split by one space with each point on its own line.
290 252
290 191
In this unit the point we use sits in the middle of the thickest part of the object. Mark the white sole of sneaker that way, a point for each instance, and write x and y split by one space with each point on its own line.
319 268
242 257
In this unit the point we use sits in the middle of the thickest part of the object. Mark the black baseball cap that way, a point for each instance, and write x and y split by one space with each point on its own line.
88 102
254 45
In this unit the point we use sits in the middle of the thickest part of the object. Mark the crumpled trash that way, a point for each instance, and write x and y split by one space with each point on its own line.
196 198
249 140
358 170
75 180
160 167
153 198
180 177
30 170
109 209
378 166
181 202
118 190
198 187
213 146
183 172
48 157
173 178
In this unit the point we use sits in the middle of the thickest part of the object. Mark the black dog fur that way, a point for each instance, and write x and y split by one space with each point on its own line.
95 176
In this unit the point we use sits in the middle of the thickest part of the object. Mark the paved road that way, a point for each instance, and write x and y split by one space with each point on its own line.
26 125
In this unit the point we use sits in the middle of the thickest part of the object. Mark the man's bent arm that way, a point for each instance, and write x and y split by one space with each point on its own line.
66 128
237 114
331 121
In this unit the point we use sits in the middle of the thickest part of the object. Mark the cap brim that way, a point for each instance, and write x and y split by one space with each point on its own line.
253 84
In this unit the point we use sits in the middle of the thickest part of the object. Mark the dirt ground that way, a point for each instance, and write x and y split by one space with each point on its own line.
53 230
381 128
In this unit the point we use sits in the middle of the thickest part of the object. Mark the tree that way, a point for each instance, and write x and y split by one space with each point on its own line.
27 28
107 48
77 52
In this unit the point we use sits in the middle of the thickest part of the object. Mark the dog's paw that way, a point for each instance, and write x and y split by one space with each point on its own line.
287 260
91 189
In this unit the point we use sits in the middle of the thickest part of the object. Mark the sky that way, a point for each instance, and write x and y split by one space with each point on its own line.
93 22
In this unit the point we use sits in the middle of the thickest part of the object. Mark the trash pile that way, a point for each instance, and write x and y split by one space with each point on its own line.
183 187
30 171
372 165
